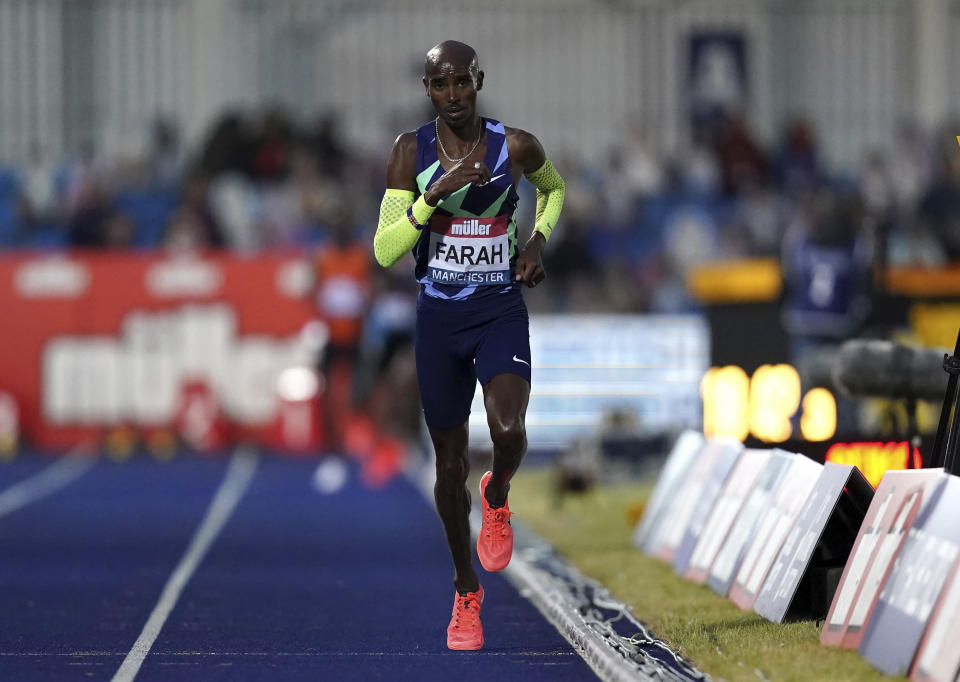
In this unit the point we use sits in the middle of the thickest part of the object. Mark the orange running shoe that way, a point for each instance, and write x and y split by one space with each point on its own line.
495 542
465 632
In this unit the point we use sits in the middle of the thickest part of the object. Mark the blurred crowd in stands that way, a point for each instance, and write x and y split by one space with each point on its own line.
633 223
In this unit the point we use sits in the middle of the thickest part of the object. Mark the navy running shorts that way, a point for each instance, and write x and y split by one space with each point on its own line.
459 342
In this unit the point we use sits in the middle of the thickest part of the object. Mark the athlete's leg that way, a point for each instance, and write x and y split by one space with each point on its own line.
447 383
505 399
453 501
503 367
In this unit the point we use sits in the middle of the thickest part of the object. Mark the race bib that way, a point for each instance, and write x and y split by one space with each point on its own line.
469 251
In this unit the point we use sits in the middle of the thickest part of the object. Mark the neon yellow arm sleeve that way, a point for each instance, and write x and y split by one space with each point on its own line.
396 234
550 189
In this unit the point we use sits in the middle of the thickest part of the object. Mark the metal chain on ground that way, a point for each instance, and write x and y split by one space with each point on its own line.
600 613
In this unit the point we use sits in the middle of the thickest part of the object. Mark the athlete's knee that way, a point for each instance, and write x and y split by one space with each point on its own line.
509 435
452 470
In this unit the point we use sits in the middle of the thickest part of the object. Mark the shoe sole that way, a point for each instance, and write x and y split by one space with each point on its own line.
461 647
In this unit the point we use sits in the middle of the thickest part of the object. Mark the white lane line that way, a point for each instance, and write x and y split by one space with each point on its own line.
48 480
235 483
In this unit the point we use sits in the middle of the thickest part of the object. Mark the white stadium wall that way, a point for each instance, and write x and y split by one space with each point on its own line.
579 73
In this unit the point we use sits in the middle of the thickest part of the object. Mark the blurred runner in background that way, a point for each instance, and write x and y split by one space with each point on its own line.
343 288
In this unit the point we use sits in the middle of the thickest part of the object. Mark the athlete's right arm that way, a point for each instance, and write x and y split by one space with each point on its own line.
402 218
396 233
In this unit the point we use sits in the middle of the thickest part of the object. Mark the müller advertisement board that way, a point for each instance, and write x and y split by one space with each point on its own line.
671 477
105 338
745 525
774 527
915 583
819 542
894 506
738 487
727 456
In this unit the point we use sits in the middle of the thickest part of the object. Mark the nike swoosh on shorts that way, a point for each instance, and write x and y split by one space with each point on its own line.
516 359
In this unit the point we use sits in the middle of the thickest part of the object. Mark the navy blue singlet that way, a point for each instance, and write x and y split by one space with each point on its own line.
468 249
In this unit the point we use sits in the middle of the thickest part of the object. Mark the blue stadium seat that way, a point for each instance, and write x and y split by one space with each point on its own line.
9 184
49 236
149 210
8 222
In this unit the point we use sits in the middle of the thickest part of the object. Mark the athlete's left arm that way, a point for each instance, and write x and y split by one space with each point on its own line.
527 152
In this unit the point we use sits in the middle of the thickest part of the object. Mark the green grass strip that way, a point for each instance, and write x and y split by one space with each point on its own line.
593 531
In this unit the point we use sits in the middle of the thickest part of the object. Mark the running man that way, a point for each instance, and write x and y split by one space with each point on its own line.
451 197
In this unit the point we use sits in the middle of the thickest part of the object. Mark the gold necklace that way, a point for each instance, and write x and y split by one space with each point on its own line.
436 127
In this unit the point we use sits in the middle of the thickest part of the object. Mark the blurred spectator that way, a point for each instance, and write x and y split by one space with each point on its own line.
620 196
741 159
826 264
96 223
280 214
342 268
233 205
387 348
118 231
165 153
796 166
228 147
325 142
939 210
272 147
79 173
620 293
699 169
876 186
642 169
690 239
759 219
909 168
192 225
567 260
38 189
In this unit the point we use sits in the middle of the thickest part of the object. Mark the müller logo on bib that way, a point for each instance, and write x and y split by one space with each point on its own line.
471 227
469 251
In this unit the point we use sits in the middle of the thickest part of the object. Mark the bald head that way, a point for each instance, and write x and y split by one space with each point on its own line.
451 55
452 78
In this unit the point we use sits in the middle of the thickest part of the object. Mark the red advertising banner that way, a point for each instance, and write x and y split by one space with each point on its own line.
92 341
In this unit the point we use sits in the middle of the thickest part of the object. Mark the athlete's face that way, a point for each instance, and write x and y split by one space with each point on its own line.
452 86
